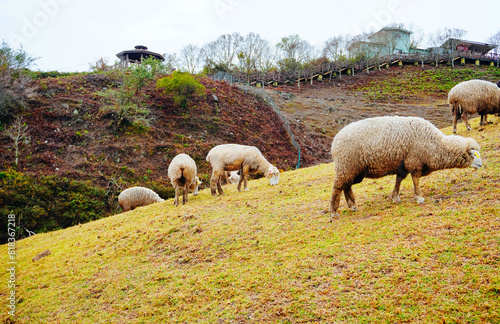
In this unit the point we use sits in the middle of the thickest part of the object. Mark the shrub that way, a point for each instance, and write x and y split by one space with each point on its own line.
181 85
45 203
15 86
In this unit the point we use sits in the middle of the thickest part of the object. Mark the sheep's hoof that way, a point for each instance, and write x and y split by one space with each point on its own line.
246 189
354 208
396 199
420 200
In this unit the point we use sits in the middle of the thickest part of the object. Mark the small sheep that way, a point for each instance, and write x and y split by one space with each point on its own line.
182 173
473 96
233 176
380 146
233 157
137 196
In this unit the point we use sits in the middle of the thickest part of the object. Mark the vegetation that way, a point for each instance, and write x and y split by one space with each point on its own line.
126 105
249 259
48 203
415 83
15 89
181 86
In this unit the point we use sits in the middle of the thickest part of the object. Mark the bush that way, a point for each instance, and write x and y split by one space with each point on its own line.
15 86
181 85
45 203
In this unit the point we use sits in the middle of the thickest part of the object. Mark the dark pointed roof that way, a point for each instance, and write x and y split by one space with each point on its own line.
138 54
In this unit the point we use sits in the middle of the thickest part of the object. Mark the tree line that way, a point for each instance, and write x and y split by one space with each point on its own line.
252 53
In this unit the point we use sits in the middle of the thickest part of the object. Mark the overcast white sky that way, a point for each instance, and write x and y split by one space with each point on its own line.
69 35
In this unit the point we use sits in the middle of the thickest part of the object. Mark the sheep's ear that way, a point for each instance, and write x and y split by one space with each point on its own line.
475 153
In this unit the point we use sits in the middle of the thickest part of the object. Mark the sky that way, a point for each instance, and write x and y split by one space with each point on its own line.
70 35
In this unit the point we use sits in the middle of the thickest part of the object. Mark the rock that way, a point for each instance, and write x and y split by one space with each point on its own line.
41 255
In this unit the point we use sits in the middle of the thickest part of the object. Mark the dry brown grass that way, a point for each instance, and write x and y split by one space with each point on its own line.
271 255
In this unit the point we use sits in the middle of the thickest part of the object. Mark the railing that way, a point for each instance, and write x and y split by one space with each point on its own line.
338 69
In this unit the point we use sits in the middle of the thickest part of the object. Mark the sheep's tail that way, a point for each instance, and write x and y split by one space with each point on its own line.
182 179
456 110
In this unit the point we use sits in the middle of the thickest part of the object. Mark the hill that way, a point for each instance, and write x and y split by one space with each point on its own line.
272 255
79 153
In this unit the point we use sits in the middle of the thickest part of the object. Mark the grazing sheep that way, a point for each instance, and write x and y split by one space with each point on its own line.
233 176
380 146
182 173
137 196
233 157
473 96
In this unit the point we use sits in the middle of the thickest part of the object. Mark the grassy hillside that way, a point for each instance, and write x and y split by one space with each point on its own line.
272 255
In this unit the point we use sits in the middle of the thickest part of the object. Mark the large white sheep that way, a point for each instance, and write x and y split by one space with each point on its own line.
380 146
471 97
137 196
233 157
182 172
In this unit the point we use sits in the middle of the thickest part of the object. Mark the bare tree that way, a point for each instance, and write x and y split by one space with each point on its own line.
448 39
253 53
416 38
293 53
362 50
18 133
495 40
190 57
335 48
220 54
171 62
15 86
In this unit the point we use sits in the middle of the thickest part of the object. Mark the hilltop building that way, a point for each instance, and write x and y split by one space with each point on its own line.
395 40
136 55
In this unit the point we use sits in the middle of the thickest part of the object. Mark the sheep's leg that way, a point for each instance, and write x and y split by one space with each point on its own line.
176 199
215 183
466 120
416 184
244 178
184 194
397 186
219 187
349 197
335 202
455 121
456 116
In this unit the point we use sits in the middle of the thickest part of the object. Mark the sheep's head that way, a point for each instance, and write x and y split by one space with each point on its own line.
273 174
476 159
194 185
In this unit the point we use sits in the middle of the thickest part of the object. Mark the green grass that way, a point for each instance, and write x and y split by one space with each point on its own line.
414 83
272 255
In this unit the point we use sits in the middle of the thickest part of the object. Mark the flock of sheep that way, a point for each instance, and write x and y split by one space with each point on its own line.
369 148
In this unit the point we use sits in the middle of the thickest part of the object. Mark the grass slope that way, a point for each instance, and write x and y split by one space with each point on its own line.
271 255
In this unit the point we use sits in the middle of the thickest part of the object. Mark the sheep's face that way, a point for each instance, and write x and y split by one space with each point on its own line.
476 159
194 186
273 174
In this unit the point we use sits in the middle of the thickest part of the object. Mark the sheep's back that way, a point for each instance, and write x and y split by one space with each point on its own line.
138 196
377 146
182 162
476 96
228 154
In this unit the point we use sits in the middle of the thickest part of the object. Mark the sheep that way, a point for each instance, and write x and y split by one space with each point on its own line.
473 96
137 196
182 173
380 146
233 157
233 176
